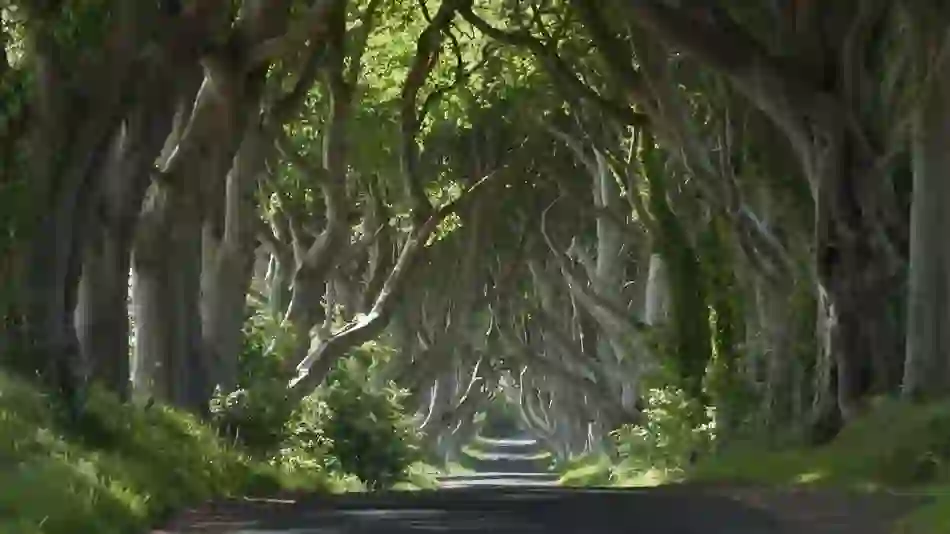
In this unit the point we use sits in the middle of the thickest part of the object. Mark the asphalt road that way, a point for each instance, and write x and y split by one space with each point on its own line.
507 504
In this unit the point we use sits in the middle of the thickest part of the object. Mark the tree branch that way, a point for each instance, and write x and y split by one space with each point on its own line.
428 49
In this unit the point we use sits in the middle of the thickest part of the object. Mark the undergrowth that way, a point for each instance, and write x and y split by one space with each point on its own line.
122 470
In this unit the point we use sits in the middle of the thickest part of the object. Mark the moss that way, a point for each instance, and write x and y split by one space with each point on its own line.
121 471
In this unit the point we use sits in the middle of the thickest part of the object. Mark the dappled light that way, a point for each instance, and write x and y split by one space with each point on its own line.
474 265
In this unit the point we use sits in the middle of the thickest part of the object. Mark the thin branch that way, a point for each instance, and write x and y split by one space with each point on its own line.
561 73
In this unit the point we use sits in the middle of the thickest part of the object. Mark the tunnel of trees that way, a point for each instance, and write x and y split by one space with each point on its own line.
583 209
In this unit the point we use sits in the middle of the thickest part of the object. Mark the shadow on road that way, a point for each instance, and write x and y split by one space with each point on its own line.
501 510
503 500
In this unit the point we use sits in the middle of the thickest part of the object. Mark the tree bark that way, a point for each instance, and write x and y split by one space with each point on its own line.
656 312
229 262
166 283
927 367
852 275
102 312
167 257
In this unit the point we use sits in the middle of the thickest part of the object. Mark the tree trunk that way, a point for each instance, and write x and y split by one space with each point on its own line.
691 345
851 272
166 283
927 366
656 312
280 271
226 276
102 313
75 117
777 323
608 279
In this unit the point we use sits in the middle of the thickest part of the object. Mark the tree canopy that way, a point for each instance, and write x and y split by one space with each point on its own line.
578 207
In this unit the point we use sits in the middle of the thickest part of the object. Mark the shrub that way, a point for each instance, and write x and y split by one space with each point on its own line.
258 418
258 415
352 424
119 472
306 444
368 430
668 438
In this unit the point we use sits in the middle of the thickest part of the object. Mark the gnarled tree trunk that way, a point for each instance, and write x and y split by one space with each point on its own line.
927 367
102 312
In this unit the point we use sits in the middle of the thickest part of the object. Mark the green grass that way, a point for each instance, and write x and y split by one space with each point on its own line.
898 446
455 468
597 470
424 476
587 470
420 476
480 454
127 468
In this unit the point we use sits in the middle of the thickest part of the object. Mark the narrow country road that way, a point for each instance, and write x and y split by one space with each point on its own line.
506 502
499 510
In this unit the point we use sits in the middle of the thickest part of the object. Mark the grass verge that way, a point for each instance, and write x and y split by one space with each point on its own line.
481 454
420 476
587 470
897 447
121 471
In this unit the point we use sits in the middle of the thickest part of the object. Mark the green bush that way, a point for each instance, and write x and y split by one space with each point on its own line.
669 436
348 425
368 430
121 470
306 445
258 415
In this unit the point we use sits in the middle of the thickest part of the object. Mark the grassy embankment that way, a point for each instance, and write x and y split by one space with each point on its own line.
897 447
121 470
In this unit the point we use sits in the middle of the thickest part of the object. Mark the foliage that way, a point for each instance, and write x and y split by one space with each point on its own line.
667 440
500 420
125 468
346 426
258 413
368 429
419 476
585 471
305 444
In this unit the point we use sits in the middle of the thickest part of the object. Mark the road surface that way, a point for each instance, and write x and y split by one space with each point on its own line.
529 503
521 510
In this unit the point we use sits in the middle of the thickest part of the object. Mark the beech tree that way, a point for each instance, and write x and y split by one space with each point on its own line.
567 205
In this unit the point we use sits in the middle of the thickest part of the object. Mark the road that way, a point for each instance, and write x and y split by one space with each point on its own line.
497 510
527 503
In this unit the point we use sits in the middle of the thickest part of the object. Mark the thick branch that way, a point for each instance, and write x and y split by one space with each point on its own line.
428 49
368 326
